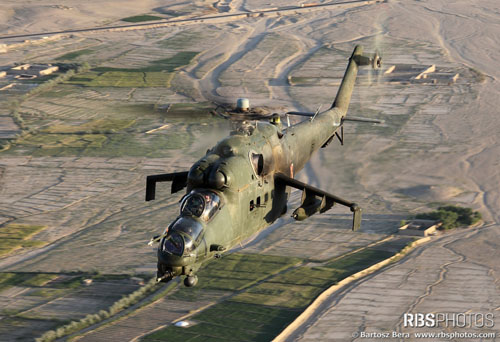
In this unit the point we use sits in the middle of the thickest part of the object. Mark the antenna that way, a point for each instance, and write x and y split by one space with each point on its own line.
288 119
317 111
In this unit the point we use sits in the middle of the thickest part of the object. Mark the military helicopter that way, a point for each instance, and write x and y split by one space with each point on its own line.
242 184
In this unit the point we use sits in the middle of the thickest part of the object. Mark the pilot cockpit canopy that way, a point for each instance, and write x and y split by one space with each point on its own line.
200 203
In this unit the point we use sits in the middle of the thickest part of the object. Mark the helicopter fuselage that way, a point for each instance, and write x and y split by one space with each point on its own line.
243 183
240 172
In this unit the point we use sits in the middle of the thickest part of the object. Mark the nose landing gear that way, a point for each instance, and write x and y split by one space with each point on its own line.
166 273
190 281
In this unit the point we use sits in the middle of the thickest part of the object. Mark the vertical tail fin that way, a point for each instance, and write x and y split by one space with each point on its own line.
344 93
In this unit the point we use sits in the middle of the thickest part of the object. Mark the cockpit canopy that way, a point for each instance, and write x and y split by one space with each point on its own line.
183 236
200 203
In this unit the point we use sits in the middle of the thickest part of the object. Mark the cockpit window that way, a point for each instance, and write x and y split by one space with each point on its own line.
203 204
183 236
193 205
173 244
189 227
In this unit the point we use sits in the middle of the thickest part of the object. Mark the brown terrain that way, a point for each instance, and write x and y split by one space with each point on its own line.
88 142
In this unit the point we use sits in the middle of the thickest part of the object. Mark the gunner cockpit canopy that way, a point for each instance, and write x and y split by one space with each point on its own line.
183 237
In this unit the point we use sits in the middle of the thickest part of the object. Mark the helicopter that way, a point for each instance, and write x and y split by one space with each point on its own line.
243 183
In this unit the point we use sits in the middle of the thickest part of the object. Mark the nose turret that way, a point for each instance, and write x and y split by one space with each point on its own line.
179 248
182 239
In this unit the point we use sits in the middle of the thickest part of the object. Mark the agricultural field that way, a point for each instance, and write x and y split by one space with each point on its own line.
76 147
262 305
140 18
35 302
14 236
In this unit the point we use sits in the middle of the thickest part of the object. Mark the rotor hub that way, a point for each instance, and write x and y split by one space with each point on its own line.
243 105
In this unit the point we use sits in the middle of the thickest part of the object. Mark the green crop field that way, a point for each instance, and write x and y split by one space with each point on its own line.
94 126
48 293
140 18
74 54
40 279
238 271
8 279
123 79
269 292
14 236
169 64
99 145
181 40
287 295
230 321
358 261
11 279
102 137
158 74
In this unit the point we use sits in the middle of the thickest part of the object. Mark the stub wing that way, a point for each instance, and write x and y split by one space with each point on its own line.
178 179
316 200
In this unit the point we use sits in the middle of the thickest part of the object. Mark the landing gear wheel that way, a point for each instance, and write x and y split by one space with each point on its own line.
190 281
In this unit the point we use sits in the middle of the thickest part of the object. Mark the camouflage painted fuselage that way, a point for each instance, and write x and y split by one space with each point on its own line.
241 171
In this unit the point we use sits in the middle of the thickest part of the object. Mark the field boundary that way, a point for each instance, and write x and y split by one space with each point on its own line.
142 304
309 311
210 19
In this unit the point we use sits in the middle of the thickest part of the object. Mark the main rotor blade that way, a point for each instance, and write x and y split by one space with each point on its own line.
301 113
346 118
359 119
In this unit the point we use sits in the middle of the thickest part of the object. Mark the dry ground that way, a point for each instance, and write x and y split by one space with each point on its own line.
439 143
